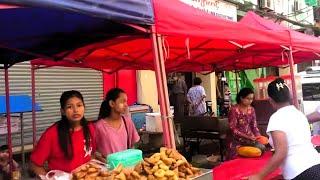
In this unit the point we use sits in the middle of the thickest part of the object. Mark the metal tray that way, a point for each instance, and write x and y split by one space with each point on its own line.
206 175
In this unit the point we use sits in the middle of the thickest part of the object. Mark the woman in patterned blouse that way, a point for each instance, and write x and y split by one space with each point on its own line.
242 122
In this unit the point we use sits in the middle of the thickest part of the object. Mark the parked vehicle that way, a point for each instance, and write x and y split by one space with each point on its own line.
310 80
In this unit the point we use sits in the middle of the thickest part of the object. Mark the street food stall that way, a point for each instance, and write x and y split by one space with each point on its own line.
20 104
200 42
47 28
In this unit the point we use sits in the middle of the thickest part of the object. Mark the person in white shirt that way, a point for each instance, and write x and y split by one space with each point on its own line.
290 136
196 98
315 116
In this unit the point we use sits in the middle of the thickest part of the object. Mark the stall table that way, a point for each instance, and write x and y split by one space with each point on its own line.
19 104
240 168
206 175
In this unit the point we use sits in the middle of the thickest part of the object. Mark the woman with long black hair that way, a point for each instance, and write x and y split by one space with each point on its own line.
114 130
69 142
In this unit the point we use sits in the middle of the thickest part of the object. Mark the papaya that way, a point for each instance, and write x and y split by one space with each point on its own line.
263 140
249 151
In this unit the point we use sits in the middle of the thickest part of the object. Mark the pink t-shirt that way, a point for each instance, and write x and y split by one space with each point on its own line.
110 140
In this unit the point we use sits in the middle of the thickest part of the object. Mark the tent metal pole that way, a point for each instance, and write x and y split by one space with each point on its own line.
22 142
293 79
9 140
166 133
33 96
166 94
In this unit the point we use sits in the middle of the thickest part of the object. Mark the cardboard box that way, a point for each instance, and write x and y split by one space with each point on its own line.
153 122
15 124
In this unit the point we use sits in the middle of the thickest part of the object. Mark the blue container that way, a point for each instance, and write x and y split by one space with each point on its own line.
139 119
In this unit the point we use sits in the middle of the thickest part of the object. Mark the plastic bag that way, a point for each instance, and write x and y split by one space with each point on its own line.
57 175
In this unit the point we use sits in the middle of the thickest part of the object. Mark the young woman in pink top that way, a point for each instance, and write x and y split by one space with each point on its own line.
114 131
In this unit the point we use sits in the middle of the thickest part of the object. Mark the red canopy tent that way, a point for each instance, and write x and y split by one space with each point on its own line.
299 41
197 43
185 39
182 39
194 43
304 47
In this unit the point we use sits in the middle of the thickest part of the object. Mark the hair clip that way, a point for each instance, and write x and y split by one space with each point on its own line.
280 85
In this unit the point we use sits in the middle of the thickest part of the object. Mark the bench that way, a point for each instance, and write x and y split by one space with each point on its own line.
204 127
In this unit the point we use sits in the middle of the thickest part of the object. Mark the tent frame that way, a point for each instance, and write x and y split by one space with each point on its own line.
167 122
7 92
160 71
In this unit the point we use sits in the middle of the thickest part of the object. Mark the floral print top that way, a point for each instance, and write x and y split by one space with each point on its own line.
241 123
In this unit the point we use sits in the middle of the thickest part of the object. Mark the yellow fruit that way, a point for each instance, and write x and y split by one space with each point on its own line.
249 151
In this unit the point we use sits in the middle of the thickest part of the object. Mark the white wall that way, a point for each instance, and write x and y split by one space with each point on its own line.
209 84
147 89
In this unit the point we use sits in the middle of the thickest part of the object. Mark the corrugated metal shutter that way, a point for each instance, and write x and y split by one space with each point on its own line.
50 83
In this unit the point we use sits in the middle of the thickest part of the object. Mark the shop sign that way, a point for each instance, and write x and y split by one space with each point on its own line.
218 8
